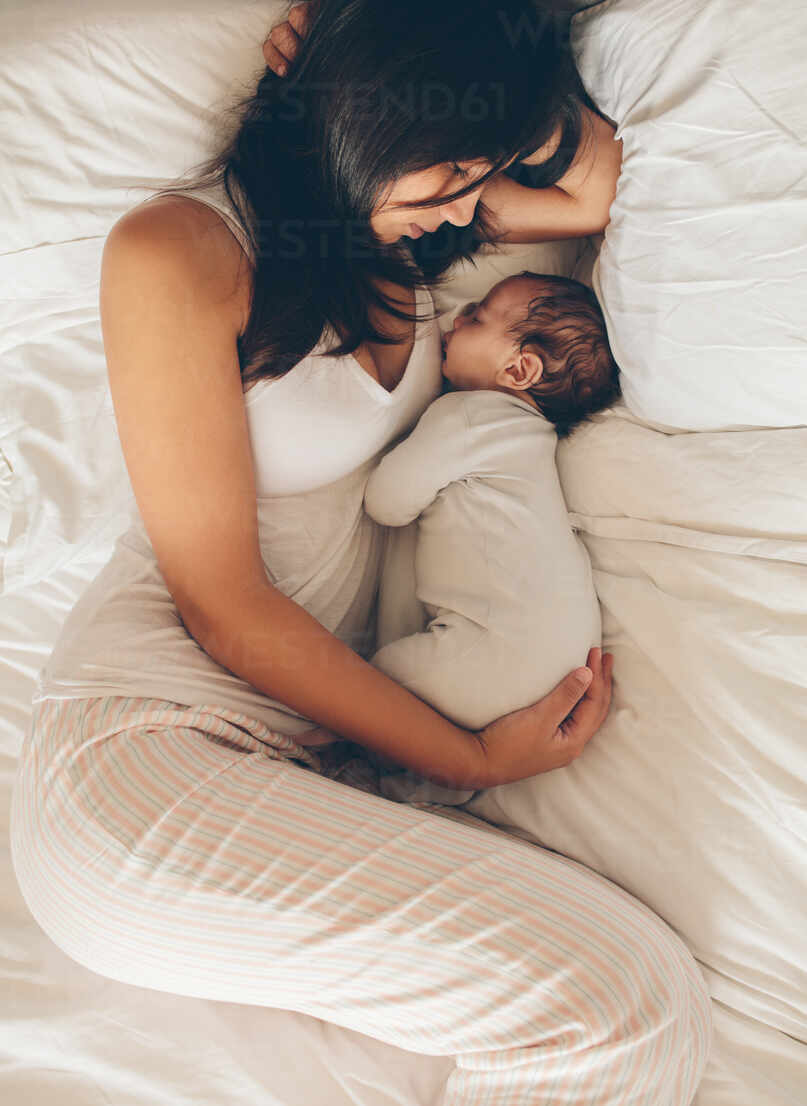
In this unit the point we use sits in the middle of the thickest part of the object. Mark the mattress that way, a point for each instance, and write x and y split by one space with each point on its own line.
693 794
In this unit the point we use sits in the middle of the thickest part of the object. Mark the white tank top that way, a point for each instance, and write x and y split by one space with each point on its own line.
316 433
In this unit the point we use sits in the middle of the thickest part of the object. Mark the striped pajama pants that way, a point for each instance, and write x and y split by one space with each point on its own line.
192 850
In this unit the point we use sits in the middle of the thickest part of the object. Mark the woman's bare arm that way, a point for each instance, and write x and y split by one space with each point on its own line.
578 205
283 41
170 326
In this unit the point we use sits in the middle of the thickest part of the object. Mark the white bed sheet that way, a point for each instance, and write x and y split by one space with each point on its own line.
721 518
73 1038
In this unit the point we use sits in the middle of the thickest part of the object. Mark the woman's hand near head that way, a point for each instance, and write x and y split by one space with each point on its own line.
576 205
283 41
552 732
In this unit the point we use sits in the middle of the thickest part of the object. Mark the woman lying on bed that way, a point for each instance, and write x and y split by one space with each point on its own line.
315 155
173 842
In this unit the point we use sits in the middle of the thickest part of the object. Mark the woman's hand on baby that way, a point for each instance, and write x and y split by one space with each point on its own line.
552 732
283 41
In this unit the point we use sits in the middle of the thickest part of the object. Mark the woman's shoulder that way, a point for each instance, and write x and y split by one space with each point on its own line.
175 217
198 241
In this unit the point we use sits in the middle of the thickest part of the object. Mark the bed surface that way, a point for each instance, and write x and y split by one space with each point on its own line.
692 796
73 1038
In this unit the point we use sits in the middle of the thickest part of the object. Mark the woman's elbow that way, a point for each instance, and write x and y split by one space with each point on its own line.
598 219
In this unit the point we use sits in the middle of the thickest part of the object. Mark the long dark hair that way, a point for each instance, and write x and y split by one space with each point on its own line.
381 88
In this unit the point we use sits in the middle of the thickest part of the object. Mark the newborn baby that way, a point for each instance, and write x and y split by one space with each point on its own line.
505 582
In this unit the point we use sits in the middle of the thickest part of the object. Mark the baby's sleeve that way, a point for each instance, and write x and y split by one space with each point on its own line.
409 477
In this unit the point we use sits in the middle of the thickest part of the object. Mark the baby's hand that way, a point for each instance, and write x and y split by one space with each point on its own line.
283 42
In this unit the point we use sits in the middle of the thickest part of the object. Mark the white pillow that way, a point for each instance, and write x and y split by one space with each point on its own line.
691 795
103 102
703 272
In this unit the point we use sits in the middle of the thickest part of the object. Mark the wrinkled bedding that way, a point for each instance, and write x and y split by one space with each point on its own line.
692 796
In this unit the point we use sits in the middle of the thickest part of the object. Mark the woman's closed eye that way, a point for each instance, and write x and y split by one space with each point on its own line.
458 171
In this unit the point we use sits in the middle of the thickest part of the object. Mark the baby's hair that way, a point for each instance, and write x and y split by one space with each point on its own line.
566 328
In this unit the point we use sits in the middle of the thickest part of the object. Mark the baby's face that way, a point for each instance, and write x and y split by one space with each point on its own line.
479 349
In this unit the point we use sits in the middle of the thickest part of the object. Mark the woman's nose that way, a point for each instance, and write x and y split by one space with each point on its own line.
461 212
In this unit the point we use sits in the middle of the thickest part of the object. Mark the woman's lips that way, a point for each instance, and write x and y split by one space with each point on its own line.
415 230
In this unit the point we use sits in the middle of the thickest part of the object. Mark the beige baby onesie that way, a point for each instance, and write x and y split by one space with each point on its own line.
505 582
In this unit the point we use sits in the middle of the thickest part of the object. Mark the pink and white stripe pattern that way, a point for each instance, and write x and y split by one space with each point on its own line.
187 850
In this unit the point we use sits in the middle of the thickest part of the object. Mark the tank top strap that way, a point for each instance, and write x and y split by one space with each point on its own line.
215 196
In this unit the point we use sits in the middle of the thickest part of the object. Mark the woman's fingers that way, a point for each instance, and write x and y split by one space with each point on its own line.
274 59
568 693
280 48
551 732
283 41
300 18
590 713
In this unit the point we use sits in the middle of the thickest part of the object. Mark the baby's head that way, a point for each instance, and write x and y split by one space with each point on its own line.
541 338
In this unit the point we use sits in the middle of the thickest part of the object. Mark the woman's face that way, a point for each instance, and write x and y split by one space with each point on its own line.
391 222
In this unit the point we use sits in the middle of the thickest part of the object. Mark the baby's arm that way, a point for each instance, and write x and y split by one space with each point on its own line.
409 477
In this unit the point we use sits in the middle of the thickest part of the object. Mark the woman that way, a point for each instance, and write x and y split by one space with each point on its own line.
264 347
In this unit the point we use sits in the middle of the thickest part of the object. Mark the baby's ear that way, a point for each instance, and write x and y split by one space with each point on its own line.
525 369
